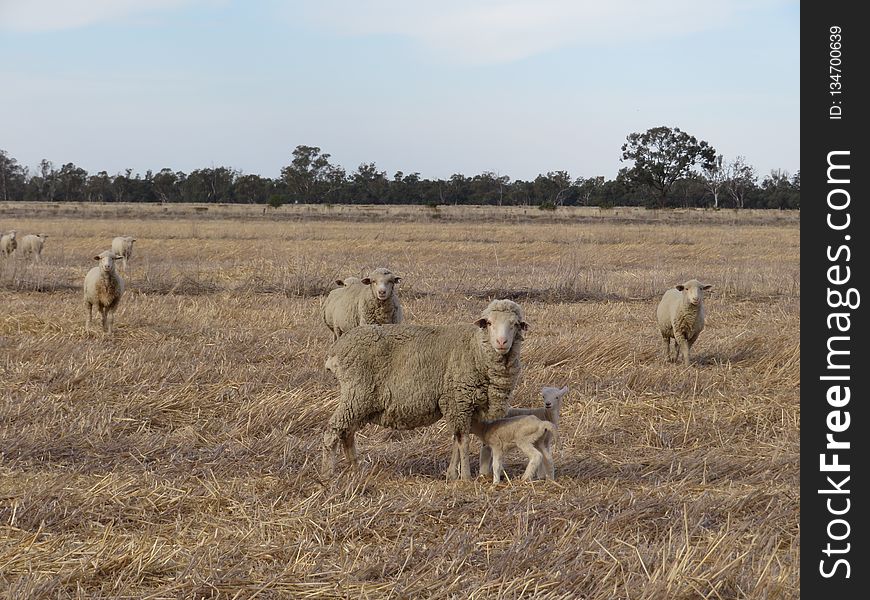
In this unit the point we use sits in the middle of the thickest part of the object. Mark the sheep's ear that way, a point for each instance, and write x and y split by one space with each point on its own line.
680 287
97 257
366 281
524 326
707 286
481 322
118 257
397 279
563 391
339 282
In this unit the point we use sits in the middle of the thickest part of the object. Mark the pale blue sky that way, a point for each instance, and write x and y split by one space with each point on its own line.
455 86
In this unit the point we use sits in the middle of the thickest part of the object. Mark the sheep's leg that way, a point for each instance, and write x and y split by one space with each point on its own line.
348 444
497 467
103 314
485 459
330 441
535 459
683 344
89 309
667 341
453 467
461 444
110 319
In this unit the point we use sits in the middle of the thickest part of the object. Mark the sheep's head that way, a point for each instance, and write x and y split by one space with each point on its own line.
504 323
553 397
693 290
381 281
107 260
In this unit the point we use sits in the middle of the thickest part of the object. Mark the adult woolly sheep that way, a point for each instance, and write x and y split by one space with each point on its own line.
368 301
31 244
680 317
123 246
8 242
103 289
408 376
548 412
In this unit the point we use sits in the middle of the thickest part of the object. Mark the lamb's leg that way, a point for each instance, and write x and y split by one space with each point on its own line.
546 467
497 468
535 458
110 319
103 314
485 459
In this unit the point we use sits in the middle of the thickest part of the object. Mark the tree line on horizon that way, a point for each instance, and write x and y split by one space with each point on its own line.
668 168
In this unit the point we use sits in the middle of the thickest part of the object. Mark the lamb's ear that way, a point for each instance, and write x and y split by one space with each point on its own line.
366 281
707 286
563 391
481 322
680 287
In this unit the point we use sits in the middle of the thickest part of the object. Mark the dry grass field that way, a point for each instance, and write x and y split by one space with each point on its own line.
179 458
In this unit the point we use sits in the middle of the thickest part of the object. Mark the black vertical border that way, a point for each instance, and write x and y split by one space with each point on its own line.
821 135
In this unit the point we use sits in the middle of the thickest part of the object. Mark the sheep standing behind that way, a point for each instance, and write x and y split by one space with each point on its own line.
368 301
347 281
31 244
103 289
8 242
123 246
526 432
680 317
408 376
548 412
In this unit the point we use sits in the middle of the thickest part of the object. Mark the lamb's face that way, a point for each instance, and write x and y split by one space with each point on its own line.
693 291
502 327
382 283
553 397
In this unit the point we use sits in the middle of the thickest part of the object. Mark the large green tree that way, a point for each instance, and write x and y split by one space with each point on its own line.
661 157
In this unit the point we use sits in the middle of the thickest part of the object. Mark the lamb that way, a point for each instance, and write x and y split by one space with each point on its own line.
548 412
8 243
103 289
123 245
32 244
408 376
526 432
371 300
681 316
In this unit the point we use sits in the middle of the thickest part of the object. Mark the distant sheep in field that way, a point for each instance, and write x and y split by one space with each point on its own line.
8 242
368 301
123 246
680 317
408 376
548 412
31 245
526 432
103 289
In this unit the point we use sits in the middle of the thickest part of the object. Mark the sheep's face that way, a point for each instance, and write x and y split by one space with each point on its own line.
382 283
107 261
693 291
502 328
553 397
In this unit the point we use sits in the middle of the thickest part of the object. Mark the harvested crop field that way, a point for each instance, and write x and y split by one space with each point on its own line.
180 457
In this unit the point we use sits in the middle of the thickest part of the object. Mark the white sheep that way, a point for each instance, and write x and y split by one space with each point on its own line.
368 301
548 412
31 244
526 432
8 243
123 246
103 289
680 317
408 376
